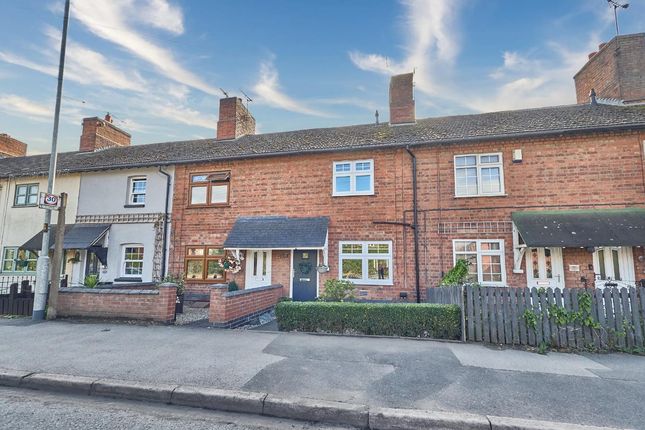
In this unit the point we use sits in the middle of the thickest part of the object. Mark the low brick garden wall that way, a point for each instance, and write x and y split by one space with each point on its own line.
156 304
235 308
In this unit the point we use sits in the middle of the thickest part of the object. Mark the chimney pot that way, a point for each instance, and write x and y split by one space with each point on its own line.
591 55
592 97
402 99
602 45
108 117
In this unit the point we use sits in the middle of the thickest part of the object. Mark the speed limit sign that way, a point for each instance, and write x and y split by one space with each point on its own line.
49 201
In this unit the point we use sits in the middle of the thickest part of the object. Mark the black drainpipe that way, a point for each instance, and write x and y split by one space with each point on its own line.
415 211
165 225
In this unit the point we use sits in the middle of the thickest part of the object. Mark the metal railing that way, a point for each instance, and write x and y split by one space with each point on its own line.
25 283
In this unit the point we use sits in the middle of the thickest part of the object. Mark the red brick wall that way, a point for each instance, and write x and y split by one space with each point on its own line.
100 134
297 186
595 171
153 305
10 147
616 71
227 308
591 171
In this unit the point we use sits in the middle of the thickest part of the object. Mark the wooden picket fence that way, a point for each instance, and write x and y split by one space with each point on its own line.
572 318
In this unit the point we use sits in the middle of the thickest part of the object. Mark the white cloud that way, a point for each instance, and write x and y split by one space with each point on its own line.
268 91
117 21
431 44
19 106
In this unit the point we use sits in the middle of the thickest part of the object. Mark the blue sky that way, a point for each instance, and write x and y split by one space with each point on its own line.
157 65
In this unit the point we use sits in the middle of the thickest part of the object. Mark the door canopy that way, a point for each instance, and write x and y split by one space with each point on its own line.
278 232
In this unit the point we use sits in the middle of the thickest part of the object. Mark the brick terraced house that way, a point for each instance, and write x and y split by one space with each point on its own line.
551 197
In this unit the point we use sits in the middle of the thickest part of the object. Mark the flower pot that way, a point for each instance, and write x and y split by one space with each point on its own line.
179 304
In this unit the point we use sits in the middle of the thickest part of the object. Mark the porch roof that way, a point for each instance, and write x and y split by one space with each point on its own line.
277 232
77 236
582 228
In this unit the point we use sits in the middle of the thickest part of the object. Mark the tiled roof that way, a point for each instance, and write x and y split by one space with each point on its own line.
277 232
451 129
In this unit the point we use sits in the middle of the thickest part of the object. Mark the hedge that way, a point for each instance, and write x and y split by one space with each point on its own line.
385 319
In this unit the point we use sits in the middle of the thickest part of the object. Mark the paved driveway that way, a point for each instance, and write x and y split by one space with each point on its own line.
592 389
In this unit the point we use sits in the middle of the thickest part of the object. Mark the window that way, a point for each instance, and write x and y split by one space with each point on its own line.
133 260
204 263
479 175
353 178
486 258
137 191
209 189
26 195
18 260
366 262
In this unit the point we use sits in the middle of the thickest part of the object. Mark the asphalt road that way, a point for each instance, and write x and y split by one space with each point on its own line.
24 409
594 389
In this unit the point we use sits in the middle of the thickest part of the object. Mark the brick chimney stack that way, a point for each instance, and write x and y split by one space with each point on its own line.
101 134
235 120
616 71
10 147
402 99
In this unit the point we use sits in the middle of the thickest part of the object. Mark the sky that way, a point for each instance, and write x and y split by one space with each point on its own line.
158 66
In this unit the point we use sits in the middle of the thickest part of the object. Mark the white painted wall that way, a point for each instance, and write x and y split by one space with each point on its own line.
125 234
106 192
19 224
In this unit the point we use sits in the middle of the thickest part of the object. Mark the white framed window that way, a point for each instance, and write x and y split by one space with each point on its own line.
353 178
368 263
133 260
18 260
137 190
479 175
486 258
26 195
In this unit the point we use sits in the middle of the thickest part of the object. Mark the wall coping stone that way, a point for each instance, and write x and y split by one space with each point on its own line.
247 291
70 290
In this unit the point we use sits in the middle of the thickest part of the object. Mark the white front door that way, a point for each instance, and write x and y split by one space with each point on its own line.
614 265
258 268
544 267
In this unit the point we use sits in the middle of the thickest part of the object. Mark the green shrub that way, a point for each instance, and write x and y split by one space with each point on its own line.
232 286
337 290
176 279
386 319
91 281
458 275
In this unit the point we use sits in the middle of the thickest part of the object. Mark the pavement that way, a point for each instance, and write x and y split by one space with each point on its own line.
591 389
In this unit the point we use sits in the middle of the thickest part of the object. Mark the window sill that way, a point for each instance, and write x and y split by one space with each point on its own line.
353 194
24 206
222 205
362 282
481 195
134 206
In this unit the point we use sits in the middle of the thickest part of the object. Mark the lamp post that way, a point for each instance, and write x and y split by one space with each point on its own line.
42 266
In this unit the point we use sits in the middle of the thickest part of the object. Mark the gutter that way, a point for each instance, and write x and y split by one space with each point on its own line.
164 255
415 210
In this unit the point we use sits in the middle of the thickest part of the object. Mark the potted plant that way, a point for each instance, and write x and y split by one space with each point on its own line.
179 281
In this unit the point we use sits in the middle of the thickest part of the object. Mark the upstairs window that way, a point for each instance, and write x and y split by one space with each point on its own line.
137 190
353 178
479 175
209 189
26 195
